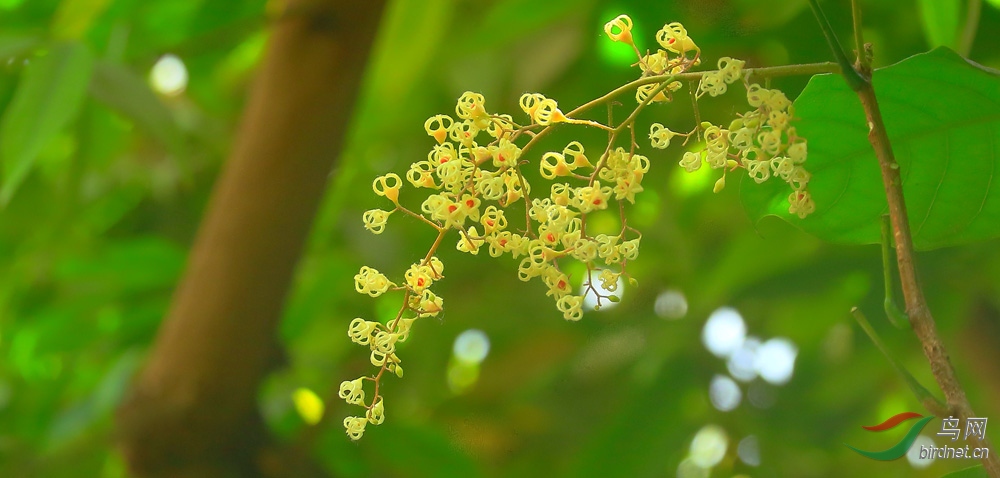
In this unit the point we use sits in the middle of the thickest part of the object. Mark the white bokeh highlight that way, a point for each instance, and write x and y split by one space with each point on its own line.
724 393
169 76
709 446
749 450
471 346
671 304
724 332
741 363
689 469
775 360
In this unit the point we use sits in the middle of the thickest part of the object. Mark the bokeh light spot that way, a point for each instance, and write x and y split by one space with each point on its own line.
749 450
169 76
471 346
724 332
775 360
308 405
685 184
671 304
724 393
709 446
742 362
689 469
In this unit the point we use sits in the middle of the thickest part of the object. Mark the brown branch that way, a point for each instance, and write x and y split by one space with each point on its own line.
193 410
916 305
859 78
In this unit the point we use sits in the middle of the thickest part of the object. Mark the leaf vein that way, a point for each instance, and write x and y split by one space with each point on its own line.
989 182
944 175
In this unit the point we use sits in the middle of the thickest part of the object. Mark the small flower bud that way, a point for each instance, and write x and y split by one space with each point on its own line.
720 184
660 136
375 220
619 29
388 186
355 427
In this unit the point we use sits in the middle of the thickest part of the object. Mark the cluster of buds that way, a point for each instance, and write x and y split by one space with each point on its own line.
381 338
762 141
467 175
473 174
677 54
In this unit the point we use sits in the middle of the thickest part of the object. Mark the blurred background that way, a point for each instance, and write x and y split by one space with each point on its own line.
735 355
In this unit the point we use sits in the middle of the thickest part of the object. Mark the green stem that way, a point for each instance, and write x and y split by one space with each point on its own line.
926 398
864 62
892 311
854 79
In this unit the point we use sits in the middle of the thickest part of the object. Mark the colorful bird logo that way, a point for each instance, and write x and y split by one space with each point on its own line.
898 450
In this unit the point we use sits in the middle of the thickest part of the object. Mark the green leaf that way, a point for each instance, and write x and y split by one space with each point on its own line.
47 99
942 114
972 472
125 91
941 22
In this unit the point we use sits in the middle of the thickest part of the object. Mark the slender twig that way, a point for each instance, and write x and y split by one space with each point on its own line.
926 398
766 72
697 113
913 295
852 76
419 217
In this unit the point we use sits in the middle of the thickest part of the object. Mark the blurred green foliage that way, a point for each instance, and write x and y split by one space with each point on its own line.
105 182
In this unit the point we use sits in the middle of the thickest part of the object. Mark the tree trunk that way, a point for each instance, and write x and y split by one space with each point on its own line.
192 412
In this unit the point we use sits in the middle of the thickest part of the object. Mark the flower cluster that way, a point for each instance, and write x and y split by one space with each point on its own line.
761 141
473 174
381 338
678 53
